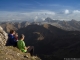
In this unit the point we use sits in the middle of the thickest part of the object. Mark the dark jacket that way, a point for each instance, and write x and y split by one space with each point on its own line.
11 40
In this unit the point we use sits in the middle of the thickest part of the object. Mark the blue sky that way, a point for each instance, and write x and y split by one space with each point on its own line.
33 5
56 9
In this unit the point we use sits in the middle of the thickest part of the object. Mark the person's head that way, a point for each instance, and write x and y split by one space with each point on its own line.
12 32
22 37
16 34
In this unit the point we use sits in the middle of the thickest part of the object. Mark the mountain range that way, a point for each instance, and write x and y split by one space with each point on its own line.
71 25
52 39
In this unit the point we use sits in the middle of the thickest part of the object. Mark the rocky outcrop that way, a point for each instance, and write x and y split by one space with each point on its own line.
3 37
10 52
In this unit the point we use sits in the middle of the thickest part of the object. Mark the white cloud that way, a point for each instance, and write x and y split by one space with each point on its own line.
35 18
76 11
41 14
25 15
66 11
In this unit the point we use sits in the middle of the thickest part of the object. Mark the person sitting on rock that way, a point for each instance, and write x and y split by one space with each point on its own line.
21 45
16 36
11 39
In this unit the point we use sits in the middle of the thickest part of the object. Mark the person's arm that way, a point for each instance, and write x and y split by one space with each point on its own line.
24 46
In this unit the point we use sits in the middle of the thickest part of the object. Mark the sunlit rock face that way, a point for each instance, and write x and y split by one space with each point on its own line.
3 37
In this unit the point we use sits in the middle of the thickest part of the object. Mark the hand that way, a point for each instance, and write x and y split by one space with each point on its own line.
28 47
17 40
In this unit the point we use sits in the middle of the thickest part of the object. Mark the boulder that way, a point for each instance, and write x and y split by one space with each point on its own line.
3 37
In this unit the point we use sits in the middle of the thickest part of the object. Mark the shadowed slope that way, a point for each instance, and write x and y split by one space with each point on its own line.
55 42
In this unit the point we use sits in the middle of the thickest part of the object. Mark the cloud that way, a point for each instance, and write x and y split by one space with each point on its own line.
40 14
76 11
66 11
35 18
25 15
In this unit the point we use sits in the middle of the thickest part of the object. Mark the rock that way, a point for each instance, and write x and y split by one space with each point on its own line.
3 37
18 54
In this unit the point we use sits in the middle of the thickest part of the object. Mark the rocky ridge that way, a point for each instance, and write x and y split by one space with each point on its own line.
12 53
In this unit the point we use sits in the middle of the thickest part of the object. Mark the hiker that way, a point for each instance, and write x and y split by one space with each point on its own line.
21 45
16 36
11 39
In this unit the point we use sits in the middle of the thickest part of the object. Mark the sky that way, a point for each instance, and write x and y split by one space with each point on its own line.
39 9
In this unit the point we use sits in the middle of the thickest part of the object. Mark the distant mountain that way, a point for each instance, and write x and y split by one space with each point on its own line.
72 25
7 26
66 25
51 20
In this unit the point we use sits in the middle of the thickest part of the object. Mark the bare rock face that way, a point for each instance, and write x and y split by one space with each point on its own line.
3 37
